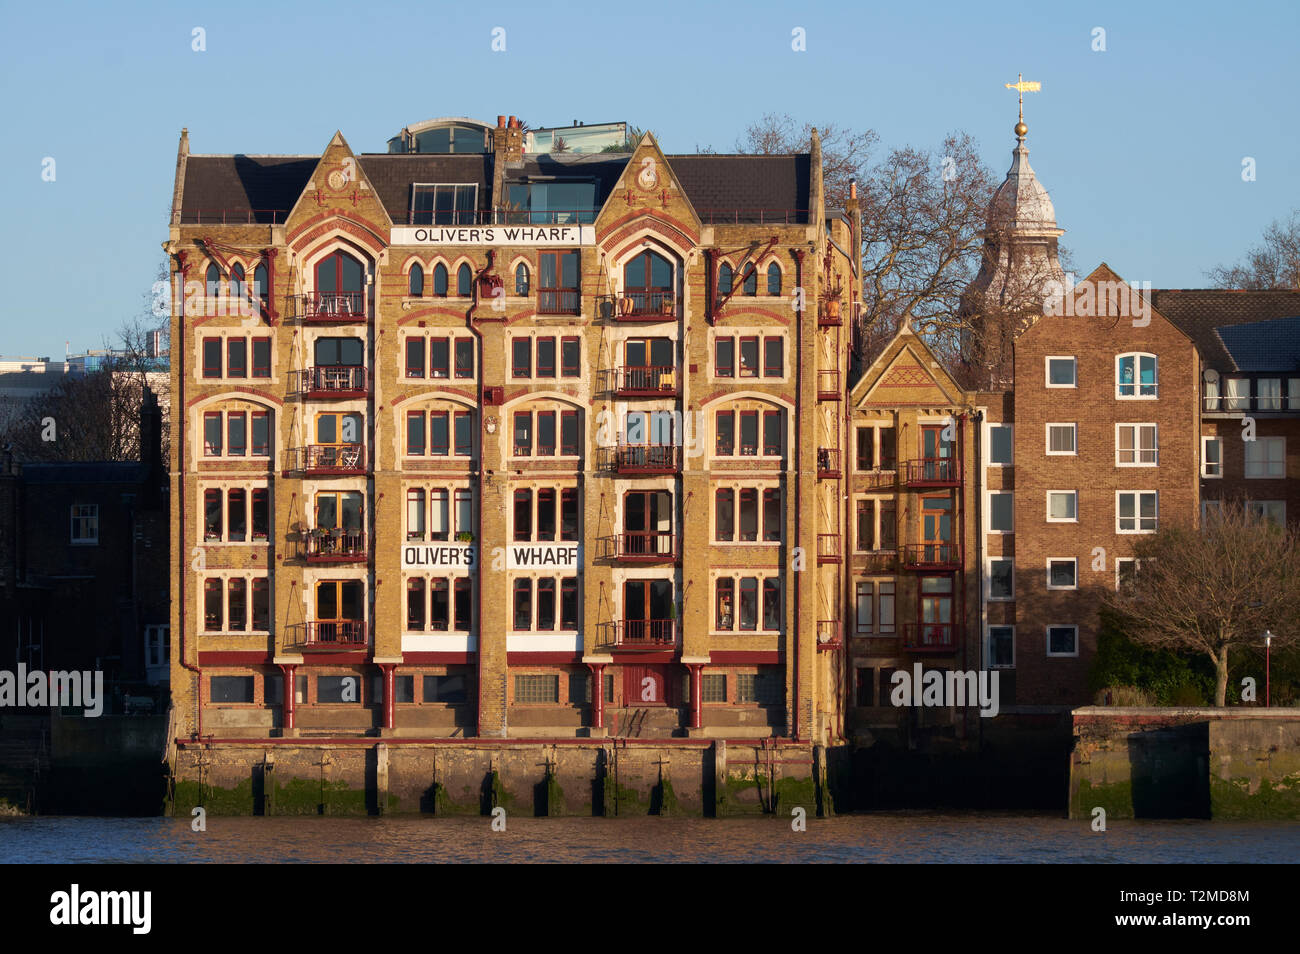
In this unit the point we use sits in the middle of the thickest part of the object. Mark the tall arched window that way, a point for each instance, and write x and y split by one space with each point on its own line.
724 279
339 284
648 281
521 279
749 285
237 287
260 286
464 281
416 286
774 279
440 280
213 280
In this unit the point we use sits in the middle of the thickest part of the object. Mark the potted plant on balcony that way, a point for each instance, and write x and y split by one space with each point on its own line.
607 307
465 537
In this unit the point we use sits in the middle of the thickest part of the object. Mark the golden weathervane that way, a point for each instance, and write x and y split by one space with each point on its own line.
1022 86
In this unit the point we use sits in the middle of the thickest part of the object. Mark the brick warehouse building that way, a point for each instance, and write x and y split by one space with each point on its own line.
518 446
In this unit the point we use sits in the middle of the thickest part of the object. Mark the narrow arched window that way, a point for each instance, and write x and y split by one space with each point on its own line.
521 279
440 280
463 281
724 279
774 279
416 286
750 284
237 287
213 281
261 289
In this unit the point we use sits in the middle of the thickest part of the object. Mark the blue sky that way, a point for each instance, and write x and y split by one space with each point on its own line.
1140 145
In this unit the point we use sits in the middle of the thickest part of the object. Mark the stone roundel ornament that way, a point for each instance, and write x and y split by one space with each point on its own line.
337 180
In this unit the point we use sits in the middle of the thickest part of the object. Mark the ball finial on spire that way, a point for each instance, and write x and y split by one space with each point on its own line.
1021 130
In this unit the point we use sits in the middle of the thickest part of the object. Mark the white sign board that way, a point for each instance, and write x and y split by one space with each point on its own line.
531 556
531 235
439 556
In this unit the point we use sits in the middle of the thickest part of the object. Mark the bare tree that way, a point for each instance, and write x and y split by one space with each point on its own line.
1214 589
1274 263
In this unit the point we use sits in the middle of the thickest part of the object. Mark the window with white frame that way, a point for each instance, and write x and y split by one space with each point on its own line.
1136 445
1266 457
236 513
748 604
1061 439
1002 647
1136 511
85 524
1136 376
1000 445
1062 506
1211 456
1062 573
1125 570
1273 510
1001 512
1063 640
236 604
1061 372
874 608
1002 578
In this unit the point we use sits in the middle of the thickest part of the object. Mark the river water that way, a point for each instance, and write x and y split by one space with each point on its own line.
926 837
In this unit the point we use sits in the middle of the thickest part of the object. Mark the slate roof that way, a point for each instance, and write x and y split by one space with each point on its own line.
1202 312
1272 345
746 183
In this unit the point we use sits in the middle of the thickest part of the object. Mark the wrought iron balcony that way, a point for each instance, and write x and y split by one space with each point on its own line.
829 548
828 463
638 381
932 556
830 635
327 307
336 546
828 313
644 459
645 546
931 637
559 301
323 460
331 381
645 633
638 304
828 385
932 472
335 634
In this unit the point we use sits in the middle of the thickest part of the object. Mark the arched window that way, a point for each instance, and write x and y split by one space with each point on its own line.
260 286
440 280
724 279
521 279
213 281
416 287
749 285
464 281
774 279
339 284
648 282
237 287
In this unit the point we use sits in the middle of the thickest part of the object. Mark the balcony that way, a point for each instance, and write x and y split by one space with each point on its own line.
559 301
646 459
1237 396
648 382
932 556
325 460
830 635
638 304
884 479
930 637
828 463
645 633
332 307
829 548
828 385
645 546
754 216
932 472
828 313
335 634
331 381
335 546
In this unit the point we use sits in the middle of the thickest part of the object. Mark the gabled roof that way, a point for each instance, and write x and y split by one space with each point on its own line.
1200 311
746 183
242 185
1272 345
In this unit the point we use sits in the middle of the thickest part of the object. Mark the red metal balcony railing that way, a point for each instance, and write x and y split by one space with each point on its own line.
644 458
650 381
638 304
645 633
932 472
830 634
559 301
335 633
930 637
828 314
336 546
828 463
828 385
754 216
332 306
829 548
328 381
327 459
932 556
646 546
452 218
233 216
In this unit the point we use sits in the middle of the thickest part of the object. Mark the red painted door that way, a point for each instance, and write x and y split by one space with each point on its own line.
645 686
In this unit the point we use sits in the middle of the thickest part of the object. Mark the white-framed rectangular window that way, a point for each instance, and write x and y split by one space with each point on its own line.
1002 579
1211 456
1125 569
1062 506
85 524
1268 394
1062 440
1136 511
1061 372
1266 457
1000 445
1274 510
1063 640
1136 376
1001 512
1136 445
1062 573
1001 653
